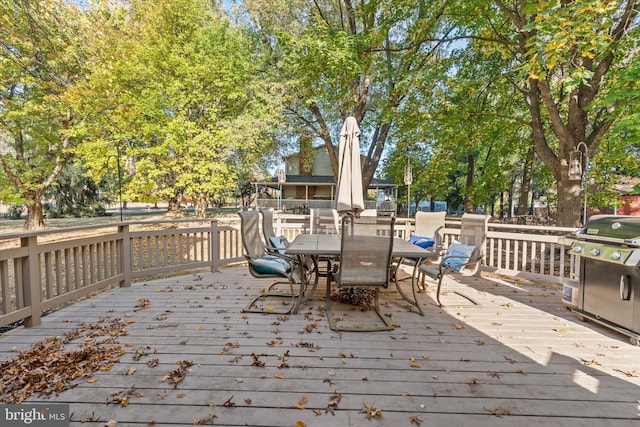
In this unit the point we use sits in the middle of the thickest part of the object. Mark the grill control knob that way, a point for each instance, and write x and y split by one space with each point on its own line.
595 251
616 256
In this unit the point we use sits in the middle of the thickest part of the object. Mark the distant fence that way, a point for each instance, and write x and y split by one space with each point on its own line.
42 270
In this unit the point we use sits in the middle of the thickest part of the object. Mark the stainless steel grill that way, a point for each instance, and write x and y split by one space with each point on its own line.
609 286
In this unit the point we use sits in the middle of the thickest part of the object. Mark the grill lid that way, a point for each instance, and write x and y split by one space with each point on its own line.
623 228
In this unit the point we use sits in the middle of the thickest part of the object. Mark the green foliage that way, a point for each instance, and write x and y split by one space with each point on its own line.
42 60
187 103
73 195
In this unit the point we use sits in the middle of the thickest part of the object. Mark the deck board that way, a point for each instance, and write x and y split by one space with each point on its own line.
520 351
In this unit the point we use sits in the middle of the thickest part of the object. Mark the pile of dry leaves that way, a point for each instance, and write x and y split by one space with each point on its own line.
49 367
360 297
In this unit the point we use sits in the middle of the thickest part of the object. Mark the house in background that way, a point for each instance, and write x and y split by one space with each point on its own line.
292 192
630 200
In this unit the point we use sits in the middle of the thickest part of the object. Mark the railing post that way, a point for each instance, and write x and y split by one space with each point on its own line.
31 281
214 246
407 231
125 255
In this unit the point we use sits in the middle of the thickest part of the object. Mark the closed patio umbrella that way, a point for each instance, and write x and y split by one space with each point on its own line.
349 198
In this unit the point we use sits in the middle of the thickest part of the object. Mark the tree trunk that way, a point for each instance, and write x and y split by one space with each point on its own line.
305 165
174 204
570 206
526 182
468 205
35 218
201 206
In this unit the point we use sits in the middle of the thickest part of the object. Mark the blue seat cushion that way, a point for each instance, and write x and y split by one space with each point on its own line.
459 254
423 242
280 243
271 265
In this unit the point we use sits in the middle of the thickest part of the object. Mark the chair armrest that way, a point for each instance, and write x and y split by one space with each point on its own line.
472 260
277 253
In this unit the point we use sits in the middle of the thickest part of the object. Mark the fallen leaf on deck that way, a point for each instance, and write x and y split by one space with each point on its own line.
303 401
498 412
206 420
415 420
370 411
142 304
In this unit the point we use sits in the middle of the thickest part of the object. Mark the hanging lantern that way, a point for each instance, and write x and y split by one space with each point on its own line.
575 165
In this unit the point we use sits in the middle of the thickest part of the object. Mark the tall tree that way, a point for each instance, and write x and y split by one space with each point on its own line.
41 62
575 64
189 99
346 58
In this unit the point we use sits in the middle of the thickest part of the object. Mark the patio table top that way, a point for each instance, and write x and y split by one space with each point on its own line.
329 244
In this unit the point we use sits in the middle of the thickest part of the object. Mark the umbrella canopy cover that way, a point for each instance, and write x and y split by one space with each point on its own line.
349 199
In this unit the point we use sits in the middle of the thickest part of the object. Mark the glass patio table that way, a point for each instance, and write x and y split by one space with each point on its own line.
316 245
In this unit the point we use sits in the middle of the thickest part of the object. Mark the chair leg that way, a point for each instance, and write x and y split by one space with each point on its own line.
376 308
327 304
440 279
255 307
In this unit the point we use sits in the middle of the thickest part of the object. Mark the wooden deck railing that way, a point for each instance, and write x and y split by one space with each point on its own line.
42 270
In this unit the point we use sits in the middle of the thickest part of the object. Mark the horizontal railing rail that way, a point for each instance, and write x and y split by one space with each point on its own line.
43 270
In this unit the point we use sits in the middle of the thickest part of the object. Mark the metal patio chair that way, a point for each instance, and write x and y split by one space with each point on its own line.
275 244
428 233
431 224
269 265
365 255
324 221
463 257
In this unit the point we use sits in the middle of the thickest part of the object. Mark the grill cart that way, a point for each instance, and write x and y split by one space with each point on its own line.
609 285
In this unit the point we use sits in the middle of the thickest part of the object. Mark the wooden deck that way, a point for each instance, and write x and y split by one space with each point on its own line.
519 359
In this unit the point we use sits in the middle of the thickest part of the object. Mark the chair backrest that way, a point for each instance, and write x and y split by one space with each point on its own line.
473 232
267 225
324 221
365 251
369 212
430 224
250 232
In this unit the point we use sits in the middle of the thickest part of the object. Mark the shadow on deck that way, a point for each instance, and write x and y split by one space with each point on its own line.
189 355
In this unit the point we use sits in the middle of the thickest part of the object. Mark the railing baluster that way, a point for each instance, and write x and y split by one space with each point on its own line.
62 269
5 287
